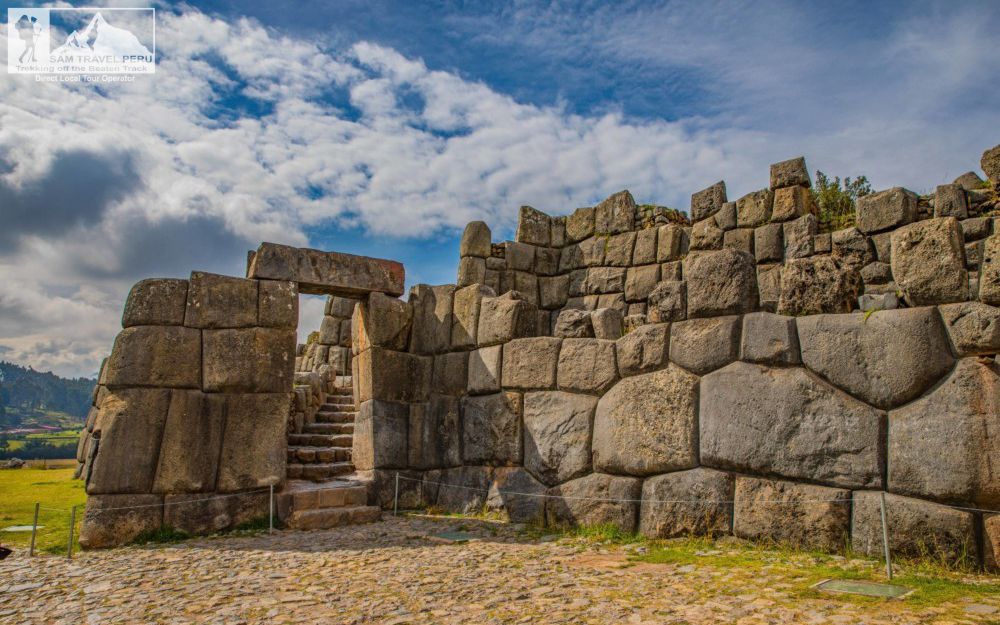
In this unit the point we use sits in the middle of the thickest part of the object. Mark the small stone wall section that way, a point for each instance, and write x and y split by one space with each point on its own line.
752 375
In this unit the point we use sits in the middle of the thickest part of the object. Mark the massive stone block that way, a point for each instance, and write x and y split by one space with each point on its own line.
791 203
990 162
615 214
534 227
640 281
768 244
156 302
770 339
961 416
278 304
886 359
720 283
471 270
851 248
491 429
618 249
329 331
164 356
991 541
553 292
668 301
672 243
573 323
484 370
706 235
950 201
392 376
815 285
685 503
504 318
646 424
514 491
254 443
450 373
519 256
113 520
530 363
707 202
260 360
476 241
789 173
784 422
557 434
327 273
703 345
464 489
596 499
989 274
643 349
917 529
434 439
381 321
192 437
801 515
130 423
586 365
754 208
886 210
644 252
215 301
580 224
800 235
433 317
974 328
381 436
928 262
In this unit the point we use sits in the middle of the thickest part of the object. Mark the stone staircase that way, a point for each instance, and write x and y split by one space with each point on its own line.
320 492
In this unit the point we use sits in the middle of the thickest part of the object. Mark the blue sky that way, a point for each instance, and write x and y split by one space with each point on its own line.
381 128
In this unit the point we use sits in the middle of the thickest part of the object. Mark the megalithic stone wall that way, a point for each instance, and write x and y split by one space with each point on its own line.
193 401
744 373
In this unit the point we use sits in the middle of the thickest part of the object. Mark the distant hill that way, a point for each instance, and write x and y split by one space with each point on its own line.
25 392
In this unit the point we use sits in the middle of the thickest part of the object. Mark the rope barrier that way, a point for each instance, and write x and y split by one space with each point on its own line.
180 503
662 501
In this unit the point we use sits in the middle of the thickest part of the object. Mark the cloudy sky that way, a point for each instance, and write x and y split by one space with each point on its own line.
381 128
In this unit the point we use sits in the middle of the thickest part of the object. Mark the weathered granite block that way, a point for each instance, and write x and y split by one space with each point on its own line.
645 250
815 285
471 270
791 203
573 323
974 328
215 301
476 241
433 317
596 499
254 442
464 489
668 301
725 219
687 503
852 248
260 360
789 173
586 365
672 243
989 273
392 376
557 434
602 280
130 423
329 331
928 262
647 424
741 239
643 349
705 235
192 437
800 235
514 491
618 249
382 321
450 373
546 261
801 515
961 416
703 345
484 370
465 317
917 529
768 243
720 283
530 363
278 304
381 435
156 302
580 224
785 422
615 214
534 227
950 201
608 322
328 273
113 520
754 208
504 318
434 440
491 429
886 359
886 210
707 202
558 232
165 356
770 339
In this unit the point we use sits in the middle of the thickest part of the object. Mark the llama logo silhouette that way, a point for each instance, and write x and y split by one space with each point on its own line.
99 41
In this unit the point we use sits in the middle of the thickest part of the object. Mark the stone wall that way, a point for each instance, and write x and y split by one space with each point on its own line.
745 374
193 402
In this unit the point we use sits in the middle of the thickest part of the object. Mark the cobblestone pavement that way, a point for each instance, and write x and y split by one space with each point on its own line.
392 573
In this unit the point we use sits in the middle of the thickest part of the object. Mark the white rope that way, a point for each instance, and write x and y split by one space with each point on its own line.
179 503
664 501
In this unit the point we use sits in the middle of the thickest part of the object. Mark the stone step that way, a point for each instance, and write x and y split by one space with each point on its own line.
328 428
311 455
324 416
335 401
320 440
338 392
319 471
325 518
298 495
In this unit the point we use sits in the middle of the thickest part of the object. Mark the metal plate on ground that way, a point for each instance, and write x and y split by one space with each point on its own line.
453 537
20 528
861 587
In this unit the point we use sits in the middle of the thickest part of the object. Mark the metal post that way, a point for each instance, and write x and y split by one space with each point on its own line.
395 498
885 539
270 512
72 524
34 531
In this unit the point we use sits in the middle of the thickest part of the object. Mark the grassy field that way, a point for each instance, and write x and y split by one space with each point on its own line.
55 490
59 439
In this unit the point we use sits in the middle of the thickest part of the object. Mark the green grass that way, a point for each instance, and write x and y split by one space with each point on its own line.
55 490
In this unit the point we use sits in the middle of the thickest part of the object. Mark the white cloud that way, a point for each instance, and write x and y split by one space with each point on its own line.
367 137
